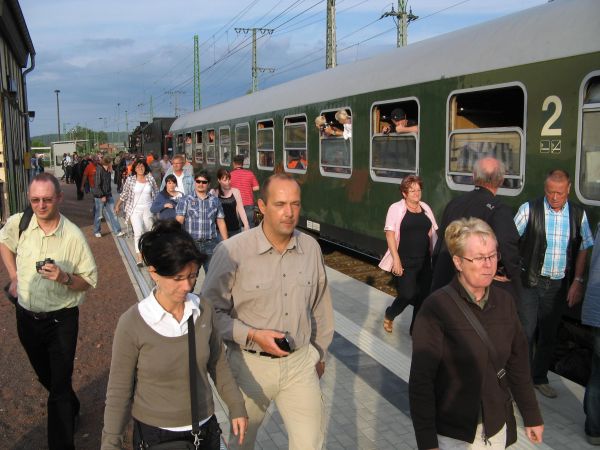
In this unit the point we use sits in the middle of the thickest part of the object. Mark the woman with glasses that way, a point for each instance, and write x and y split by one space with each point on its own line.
410 231
149 373
459 389
138 193
231 201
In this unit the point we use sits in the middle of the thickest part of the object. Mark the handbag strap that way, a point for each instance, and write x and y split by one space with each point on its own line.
193 382
476 324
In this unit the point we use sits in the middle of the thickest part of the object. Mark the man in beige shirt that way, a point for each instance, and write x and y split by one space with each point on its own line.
269 284
50 266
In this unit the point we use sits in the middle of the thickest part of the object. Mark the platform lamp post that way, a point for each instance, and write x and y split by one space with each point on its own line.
57 91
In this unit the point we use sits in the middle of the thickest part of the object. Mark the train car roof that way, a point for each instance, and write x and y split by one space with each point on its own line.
554 30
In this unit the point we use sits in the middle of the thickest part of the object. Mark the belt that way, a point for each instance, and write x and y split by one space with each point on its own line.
204 240
268 355
42 315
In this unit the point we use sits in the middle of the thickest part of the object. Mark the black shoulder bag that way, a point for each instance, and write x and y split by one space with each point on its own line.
183 445
23 224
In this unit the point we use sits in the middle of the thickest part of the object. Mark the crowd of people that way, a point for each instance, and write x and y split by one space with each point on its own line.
488 289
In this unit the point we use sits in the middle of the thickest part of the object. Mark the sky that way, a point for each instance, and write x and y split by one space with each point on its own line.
116 62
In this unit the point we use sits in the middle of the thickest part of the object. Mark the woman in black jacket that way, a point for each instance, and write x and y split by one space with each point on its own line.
455 394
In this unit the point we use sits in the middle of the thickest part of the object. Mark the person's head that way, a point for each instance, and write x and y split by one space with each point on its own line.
411 187
320 121
106 160
488 172
556 187
139 167
342 116
45 196
474 250
165 157
398 116
170 184
280 204
224 179
172 258
202 181
238 160
178 163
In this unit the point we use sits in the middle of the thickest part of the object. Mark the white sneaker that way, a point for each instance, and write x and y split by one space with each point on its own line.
98 234
120 234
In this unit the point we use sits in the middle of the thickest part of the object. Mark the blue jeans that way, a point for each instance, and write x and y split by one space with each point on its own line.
541 309
108 208
250 214
591 400
207 248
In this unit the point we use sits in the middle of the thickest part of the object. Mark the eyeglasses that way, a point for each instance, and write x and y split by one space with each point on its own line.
480 260
201 181
48 200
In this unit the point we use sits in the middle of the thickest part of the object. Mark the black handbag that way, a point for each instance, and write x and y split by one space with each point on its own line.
511 426
179 444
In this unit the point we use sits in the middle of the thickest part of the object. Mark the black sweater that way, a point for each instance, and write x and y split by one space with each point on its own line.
452 378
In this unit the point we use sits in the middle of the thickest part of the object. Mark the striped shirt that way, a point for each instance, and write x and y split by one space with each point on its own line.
557 237
200 215
245 181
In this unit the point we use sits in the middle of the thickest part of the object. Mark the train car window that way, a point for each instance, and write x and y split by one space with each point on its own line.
394 140
188 146
242 142
486 122
265 145
210 148
335 142
179 148
295 156
589 152
198 150
224 146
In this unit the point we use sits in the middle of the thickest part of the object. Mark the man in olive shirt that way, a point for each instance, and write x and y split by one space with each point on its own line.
50 267
267 284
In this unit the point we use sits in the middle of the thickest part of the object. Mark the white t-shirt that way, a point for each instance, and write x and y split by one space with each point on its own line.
142 199
180 182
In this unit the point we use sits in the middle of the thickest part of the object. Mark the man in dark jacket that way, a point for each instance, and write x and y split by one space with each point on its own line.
482 203
555 236
103 199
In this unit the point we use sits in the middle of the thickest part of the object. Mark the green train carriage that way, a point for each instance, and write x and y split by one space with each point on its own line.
525 88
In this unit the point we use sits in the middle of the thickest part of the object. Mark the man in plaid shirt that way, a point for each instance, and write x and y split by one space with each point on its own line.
555 236
201 213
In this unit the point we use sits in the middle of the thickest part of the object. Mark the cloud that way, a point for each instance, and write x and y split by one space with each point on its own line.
106 43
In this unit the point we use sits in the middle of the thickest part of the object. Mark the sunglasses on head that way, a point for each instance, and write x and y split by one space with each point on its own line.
201 181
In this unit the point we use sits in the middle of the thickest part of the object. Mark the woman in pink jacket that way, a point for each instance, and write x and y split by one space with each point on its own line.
409 258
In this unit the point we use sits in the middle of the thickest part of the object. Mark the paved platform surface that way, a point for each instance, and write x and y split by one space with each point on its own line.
365 386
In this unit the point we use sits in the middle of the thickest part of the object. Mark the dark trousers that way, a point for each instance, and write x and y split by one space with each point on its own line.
210 435
591 400
50 345
540 310
411 288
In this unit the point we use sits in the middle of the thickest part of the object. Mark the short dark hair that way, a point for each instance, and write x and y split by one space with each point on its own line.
239 159
169 248
202 173
264 189
47 177
138 162
168 178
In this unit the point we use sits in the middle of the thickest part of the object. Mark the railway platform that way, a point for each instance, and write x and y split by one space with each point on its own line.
365 384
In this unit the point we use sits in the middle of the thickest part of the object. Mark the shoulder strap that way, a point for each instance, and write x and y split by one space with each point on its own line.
193 383
25 219
476 324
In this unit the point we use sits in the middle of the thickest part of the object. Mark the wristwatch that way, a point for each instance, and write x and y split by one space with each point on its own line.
69 281
580 279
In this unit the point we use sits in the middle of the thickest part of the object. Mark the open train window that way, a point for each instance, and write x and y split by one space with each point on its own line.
242 142
486 122
198 150
224 146
295 156
394 139
265 145
188 146
335 142
210 148
179 148
589 145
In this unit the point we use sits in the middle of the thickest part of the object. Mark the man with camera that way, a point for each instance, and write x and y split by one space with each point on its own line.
50 266
273 307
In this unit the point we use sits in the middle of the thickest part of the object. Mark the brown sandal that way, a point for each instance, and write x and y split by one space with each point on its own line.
388 325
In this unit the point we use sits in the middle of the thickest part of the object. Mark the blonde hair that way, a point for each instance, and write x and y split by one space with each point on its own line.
341 115
320 120
460 230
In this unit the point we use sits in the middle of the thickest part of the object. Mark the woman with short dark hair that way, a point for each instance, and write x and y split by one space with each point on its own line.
166 200
410 232
149 373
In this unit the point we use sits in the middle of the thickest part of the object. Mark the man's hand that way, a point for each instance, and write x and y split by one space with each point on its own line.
12 289
535 433
238 426
52 272
266 340
103 199
575 293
